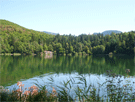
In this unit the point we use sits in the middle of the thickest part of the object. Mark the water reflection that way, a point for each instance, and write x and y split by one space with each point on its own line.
91 79
16 68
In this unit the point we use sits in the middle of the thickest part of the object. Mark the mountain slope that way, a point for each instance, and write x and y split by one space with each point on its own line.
50 33
17 39
7 27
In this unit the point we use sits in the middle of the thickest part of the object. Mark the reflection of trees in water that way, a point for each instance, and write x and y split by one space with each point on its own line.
14 68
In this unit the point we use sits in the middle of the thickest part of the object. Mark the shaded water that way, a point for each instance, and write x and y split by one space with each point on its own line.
30 68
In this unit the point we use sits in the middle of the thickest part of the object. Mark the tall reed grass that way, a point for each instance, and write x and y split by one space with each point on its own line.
75 91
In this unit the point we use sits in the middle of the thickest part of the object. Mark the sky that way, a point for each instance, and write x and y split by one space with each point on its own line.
70 16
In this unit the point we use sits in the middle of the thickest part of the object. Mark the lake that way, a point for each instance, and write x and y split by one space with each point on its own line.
36 69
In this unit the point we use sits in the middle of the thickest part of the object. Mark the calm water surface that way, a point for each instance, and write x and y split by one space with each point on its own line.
30 69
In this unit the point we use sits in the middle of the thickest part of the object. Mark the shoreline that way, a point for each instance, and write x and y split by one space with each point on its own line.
19 54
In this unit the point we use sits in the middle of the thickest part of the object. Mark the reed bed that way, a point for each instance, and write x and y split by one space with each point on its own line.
74 91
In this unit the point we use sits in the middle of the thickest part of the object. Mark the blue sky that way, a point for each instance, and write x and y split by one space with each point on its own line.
70 16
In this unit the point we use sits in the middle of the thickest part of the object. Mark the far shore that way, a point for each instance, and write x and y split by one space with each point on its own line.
18 54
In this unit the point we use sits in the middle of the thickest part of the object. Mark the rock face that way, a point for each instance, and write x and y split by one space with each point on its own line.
48 54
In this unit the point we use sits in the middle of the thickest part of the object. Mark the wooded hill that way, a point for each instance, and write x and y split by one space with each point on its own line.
17 39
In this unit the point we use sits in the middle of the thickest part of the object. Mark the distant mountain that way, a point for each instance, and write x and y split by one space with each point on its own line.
96 33
109 32
50 33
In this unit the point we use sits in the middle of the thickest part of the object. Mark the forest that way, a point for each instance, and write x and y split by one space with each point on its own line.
17 39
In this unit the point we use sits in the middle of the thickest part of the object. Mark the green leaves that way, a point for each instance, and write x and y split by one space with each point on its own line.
100 49
29 41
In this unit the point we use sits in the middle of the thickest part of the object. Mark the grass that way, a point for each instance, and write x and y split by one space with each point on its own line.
7 53
1 53
15 54
74 91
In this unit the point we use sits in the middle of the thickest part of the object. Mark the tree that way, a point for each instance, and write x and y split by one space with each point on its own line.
86 49
61 51
130 43
50 47
45 48
71 49
100 49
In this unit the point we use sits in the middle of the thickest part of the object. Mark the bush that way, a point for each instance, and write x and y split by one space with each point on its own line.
80 53
84 53
54 53
110 53
70 54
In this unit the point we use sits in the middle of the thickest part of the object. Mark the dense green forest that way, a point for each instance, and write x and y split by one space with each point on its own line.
17 39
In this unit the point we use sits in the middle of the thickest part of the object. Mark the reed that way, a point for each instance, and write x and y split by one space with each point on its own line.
74 91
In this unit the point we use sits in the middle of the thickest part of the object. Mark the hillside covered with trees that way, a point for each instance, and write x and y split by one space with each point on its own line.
17 39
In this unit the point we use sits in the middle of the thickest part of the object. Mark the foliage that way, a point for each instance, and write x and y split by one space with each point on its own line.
17 39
